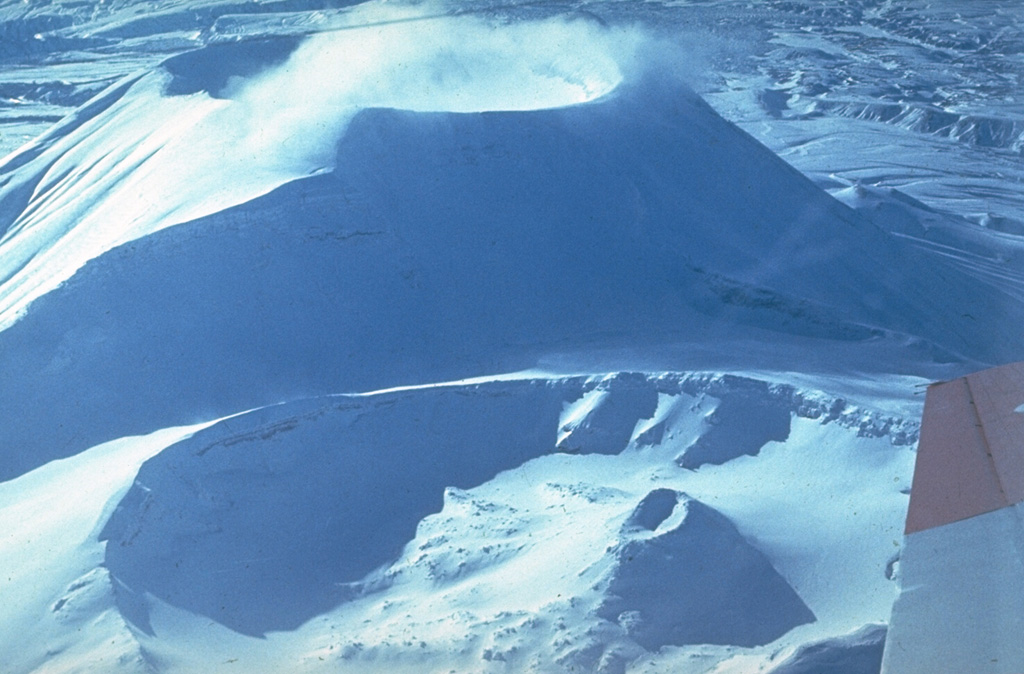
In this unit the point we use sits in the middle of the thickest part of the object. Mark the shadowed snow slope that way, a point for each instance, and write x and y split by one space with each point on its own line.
297 499
857 653
444 245
447 515
268 224
53 584
697 582
217 127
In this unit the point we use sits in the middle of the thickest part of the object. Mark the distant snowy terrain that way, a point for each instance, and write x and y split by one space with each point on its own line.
439 337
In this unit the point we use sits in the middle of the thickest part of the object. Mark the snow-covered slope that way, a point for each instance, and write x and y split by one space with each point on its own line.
387 530
438 245
263 298
197 137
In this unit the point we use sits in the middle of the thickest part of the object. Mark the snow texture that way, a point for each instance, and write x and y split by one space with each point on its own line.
856 653
699 582
432 337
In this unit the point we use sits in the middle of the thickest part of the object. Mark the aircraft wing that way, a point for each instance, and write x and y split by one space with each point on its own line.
961 603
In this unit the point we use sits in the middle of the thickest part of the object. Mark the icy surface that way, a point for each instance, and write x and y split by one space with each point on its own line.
592 541
439 337
856 653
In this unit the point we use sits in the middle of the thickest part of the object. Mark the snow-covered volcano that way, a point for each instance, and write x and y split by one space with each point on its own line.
429 339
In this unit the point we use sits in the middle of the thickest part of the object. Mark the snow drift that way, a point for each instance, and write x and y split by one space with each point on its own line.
446 519
439 245
316 495
200 265
218 127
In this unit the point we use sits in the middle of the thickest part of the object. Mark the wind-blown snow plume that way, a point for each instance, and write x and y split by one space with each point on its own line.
200 266
445 64
222 143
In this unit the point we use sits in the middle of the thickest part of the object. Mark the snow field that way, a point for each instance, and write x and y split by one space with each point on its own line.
518 569
430 252
275 217
194 138
59 612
